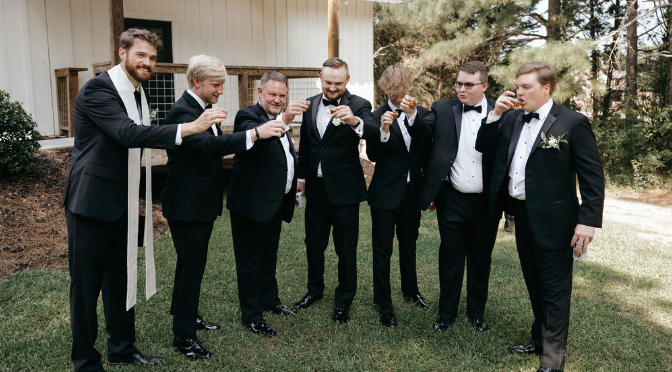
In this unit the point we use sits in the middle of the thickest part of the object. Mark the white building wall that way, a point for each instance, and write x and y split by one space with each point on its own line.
39 36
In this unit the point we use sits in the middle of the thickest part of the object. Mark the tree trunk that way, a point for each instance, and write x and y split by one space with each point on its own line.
552 27
669 48
594 55
631 59
617 16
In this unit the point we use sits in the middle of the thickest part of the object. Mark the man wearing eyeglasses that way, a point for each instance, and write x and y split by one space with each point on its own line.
454 183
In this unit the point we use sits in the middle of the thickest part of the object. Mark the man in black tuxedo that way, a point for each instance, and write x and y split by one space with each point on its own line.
96 197
331 176
193 195
539 152
456 182
260 196
393 191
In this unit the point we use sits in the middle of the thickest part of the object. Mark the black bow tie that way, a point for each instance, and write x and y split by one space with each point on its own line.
399 111
208 106
328 102
468 108
528 117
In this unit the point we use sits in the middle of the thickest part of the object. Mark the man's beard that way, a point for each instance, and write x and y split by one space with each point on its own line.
132 70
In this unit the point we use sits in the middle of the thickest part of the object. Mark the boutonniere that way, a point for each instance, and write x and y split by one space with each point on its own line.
551 142
152 115
336 122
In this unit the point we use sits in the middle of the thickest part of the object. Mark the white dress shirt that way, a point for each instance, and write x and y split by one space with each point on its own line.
384 137
466 174
284 140
526 140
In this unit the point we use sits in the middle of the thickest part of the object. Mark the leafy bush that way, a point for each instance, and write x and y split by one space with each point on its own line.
18 137
636 148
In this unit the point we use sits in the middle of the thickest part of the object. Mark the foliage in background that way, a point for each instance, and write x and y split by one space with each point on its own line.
18 137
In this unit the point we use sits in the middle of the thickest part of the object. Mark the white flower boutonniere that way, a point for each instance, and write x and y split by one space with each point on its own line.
152 115
336 122
551 142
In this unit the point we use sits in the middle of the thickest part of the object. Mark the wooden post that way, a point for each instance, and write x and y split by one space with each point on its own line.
333 27
116 27
67 87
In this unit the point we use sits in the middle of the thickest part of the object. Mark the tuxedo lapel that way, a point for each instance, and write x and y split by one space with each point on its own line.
548 123
315 108
457 112
517 128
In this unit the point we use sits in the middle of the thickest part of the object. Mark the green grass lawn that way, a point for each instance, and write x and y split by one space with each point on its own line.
621 313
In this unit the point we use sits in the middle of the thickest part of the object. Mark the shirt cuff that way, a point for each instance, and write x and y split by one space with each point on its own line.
301 180
178 135
384 137
492 118
411 119
248 140
359 128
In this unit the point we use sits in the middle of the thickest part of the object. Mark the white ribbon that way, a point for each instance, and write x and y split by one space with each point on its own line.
126 92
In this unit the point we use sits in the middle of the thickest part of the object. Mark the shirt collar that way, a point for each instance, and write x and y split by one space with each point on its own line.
544 110
197 98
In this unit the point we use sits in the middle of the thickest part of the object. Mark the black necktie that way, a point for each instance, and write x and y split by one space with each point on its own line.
528 117
138 102
328 102
468 108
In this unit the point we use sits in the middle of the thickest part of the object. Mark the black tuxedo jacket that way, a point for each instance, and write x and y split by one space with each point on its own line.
337 150
550 174
194 189
257 186
444 123
393 163
97 181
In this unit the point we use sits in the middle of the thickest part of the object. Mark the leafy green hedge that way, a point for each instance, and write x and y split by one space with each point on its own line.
18 137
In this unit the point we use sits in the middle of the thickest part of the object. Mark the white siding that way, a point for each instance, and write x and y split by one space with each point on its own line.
38 36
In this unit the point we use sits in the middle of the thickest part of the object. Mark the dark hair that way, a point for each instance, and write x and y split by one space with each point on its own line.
545 73
473 67
274 75
128 37
335 62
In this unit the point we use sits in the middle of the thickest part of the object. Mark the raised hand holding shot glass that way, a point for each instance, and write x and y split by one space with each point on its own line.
387 119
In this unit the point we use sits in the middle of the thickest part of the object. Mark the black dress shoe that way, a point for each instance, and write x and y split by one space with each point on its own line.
281 309
443 325
387 318
201 325
137 357
261 328
341 315
419 300
479 323
306 301
525 349
191 347
547 369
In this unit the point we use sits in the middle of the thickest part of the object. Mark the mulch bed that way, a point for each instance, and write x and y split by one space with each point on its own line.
33 232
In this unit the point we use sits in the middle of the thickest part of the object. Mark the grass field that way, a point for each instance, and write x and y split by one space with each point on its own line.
621 310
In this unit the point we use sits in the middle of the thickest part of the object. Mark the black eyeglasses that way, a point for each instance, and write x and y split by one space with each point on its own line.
468 86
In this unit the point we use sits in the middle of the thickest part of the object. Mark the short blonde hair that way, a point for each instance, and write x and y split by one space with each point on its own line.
396 80
204 67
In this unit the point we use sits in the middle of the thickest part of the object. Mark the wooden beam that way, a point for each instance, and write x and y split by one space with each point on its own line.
116 27
333 29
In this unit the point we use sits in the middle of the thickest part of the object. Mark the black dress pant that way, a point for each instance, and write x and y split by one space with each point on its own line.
255 245
548 277
465 233
321 216
97 261
191 241
406 219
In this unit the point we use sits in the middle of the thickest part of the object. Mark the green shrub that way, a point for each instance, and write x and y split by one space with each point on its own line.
18 137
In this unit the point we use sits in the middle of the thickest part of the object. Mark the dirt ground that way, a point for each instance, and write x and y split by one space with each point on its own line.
32 223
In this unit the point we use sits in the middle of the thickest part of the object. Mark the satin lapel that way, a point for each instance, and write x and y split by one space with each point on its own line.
548 123
314 109
457 111
517 128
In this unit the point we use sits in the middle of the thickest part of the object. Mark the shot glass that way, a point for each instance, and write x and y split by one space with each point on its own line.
579 255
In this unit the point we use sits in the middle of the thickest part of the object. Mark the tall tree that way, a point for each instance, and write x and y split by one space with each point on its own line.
669 49
631 56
